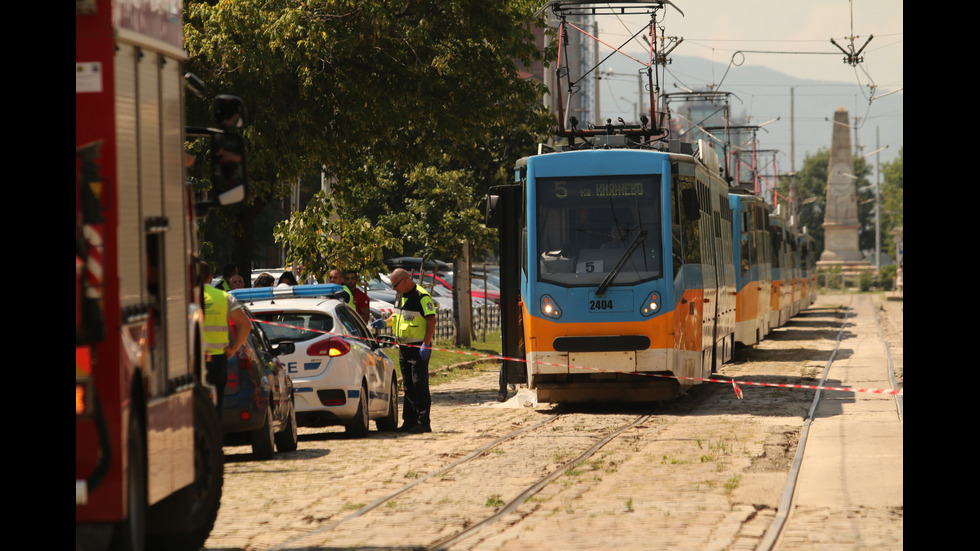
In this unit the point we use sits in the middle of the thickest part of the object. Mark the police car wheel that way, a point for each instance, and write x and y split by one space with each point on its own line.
358 426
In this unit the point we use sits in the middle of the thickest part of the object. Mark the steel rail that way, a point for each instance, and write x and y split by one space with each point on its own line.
380 501
444 544
785 506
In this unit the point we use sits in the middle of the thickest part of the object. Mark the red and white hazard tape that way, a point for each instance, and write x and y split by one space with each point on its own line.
738 391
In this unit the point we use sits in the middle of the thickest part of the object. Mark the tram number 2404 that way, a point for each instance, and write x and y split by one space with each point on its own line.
600 304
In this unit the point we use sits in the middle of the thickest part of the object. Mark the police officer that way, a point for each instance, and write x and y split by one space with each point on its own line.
413 324
227 272
219 345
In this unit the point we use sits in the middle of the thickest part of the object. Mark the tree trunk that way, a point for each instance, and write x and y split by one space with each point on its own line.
462 298
241 253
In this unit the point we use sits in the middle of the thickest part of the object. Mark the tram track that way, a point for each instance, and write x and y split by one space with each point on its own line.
785 508
484 452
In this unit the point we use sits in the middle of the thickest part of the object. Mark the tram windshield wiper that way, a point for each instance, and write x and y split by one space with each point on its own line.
619 265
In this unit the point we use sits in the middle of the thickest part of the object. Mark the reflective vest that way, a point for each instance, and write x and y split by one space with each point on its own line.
215 320
350 296
408 322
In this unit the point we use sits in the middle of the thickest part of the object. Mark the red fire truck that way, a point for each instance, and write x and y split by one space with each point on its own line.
148 459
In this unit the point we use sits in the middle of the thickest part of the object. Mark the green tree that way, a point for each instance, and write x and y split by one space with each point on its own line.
335 85
320 240
810 188
893 199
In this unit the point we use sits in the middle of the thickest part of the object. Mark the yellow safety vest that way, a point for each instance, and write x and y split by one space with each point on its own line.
215 320
408 322
350 296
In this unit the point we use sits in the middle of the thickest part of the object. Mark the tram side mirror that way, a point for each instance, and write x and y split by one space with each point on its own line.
690 204
228 168
194 85
492 215
228 112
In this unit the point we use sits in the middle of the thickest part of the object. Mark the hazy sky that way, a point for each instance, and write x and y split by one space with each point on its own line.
716 29
791 37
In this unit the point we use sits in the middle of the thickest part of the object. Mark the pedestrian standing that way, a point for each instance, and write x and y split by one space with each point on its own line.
221 340
236 282
337 278
502 383
900 278
413 324
362 303
287 279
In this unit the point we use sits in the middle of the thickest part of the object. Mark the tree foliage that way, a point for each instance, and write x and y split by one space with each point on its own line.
810 192
319 240
893 201
393 90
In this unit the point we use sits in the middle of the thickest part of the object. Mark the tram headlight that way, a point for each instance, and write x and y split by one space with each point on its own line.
651 305
550 308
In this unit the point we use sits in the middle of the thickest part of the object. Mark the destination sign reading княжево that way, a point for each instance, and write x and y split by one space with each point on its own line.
599 188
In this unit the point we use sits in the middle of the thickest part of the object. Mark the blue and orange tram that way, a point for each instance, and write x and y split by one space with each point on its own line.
629 268
629 274
623 266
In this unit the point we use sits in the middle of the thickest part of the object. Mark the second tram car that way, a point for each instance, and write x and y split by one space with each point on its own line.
753 266
781 300
808 255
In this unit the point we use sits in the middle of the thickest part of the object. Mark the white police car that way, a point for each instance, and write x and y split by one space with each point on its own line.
341 374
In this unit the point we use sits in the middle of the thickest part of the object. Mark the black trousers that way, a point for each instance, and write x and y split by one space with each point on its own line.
415 377
503 379
218 375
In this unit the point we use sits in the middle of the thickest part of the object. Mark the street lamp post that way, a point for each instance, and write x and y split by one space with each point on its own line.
877 187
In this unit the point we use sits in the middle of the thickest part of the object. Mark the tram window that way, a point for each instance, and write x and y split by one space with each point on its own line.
744 254
586 226
690 227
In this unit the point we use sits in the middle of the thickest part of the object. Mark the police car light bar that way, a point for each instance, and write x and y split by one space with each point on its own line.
294 291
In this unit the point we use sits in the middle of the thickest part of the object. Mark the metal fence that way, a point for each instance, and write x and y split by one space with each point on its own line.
486 319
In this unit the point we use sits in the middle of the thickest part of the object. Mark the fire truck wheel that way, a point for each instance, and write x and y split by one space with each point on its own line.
130 534
185 519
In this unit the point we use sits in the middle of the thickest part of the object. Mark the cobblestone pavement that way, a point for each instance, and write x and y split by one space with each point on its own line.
705 472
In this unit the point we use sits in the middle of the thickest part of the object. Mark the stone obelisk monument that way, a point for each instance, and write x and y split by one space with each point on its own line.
840 223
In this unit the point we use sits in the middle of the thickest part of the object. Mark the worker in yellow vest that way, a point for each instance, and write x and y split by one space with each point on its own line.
414 324
221 339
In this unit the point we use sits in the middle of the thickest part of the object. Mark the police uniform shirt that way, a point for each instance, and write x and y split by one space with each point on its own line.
411 310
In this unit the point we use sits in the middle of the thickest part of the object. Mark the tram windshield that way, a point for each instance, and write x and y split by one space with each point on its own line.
587 227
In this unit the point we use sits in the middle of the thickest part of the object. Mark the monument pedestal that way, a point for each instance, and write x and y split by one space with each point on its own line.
840 244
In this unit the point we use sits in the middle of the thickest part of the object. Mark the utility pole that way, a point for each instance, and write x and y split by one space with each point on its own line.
598 79
639 99
858 148
792 149
877 200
